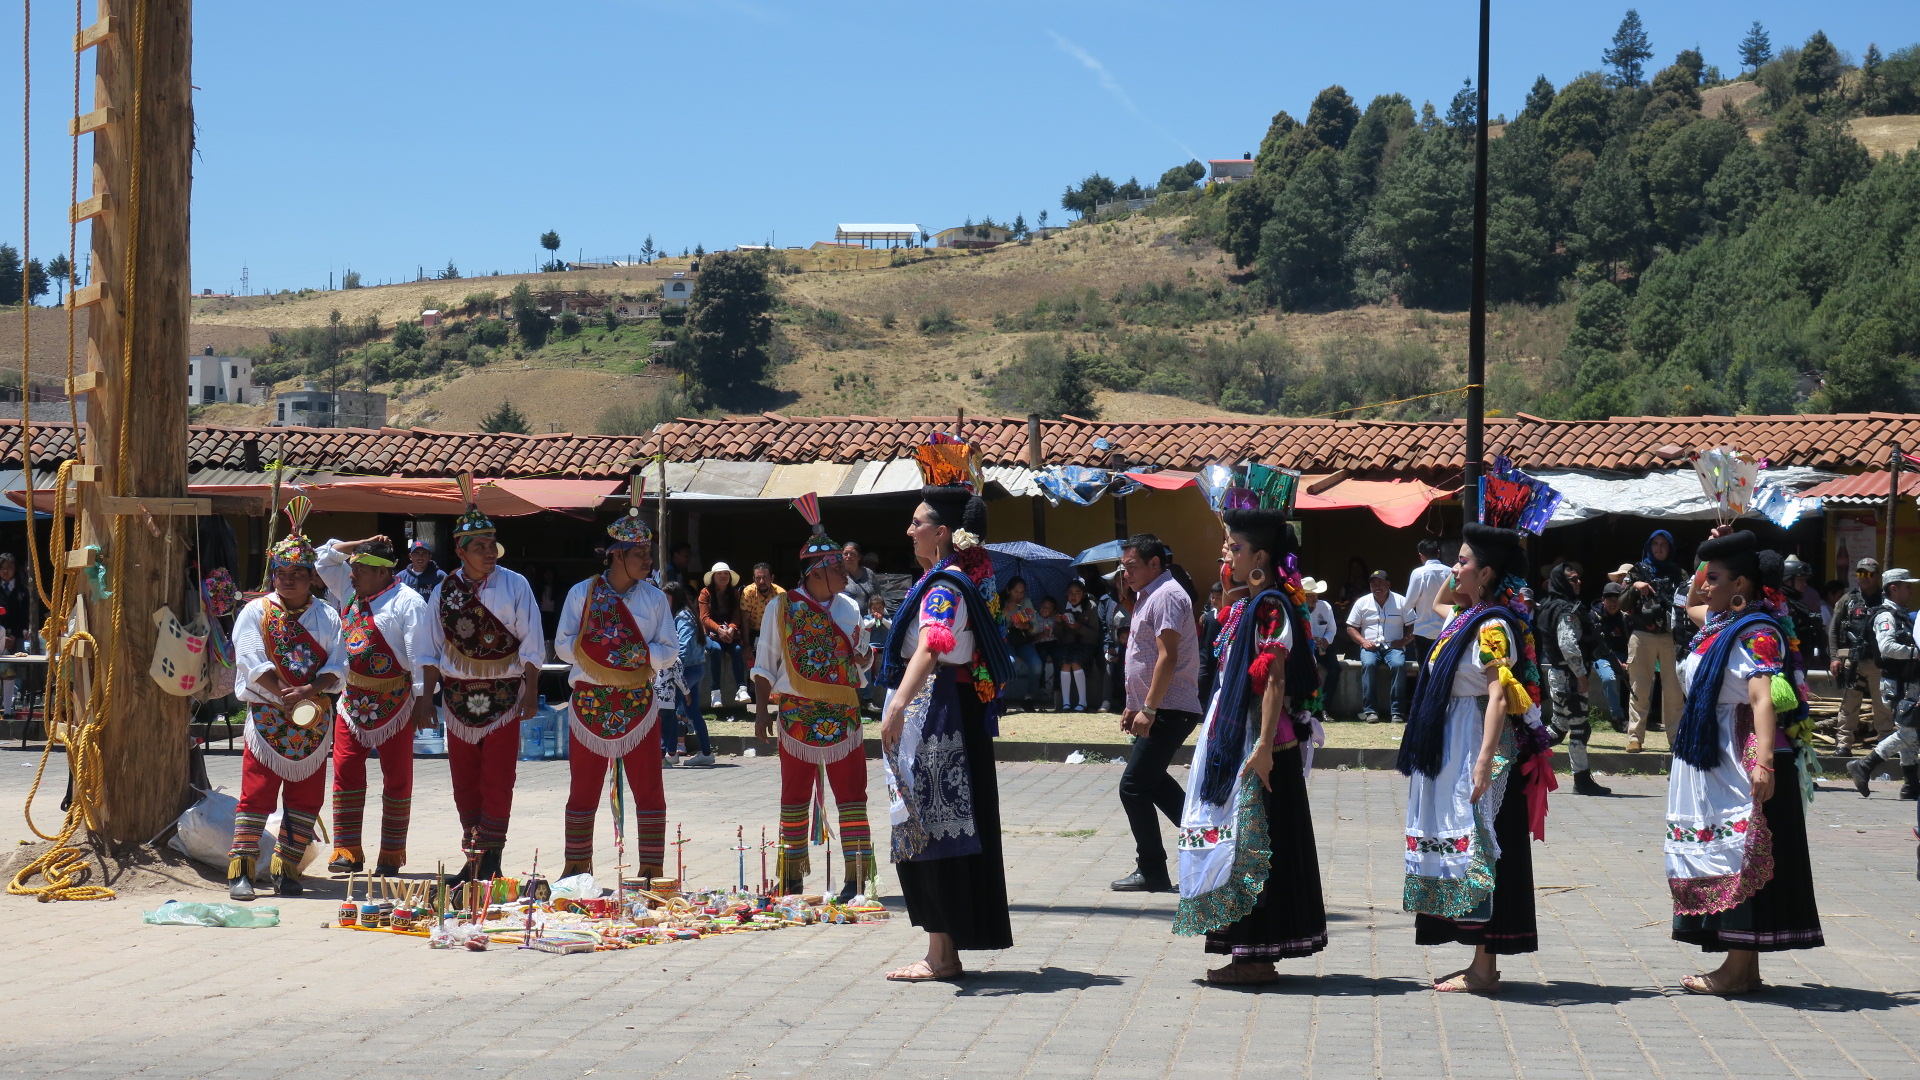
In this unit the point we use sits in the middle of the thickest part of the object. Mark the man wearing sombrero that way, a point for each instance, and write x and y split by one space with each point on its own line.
617 630
484 647
287 660
811 661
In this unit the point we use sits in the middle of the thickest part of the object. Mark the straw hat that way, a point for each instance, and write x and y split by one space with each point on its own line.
1626 568
720 568
1312 585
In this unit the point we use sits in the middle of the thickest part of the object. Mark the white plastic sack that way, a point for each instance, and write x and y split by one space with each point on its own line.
205 834
577 887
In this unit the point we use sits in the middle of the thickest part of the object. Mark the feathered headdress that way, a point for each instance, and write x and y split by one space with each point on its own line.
1510 499
820 551
945 461
296 549
631 529
472 524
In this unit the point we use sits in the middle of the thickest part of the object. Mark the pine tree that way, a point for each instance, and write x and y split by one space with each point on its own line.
1630 51
507 419
1539 99
1757 47
729 324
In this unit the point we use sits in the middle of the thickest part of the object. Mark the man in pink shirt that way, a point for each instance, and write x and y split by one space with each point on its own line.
1162 703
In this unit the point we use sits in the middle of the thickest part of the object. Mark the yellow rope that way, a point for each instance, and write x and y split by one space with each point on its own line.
1402 401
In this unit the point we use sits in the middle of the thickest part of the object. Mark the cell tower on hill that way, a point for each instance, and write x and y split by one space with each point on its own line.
243 280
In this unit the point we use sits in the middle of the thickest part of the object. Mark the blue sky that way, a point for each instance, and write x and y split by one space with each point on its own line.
392 134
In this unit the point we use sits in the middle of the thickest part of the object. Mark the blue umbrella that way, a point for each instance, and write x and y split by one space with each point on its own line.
1099 553
1045 570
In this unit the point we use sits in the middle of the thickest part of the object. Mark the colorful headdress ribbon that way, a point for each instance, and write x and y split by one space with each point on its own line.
364 559
631 528
1250 487
472 524
820 550
295 549
1510 499
946 461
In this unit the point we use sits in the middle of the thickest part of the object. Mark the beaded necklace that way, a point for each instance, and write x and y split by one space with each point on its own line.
1229 623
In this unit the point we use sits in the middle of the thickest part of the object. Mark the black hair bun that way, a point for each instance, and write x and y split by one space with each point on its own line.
1496 547
1269 529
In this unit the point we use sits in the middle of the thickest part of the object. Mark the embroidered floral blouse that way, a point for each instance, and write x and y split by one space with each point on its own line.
942 608
1757 652
1493 648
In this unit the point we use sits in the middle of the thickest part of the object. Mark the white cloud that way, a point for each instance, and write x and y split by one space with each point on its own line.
1112 86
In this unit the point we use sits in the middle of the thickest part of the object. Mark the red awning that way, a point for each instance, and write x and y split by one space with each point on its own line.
1397 503
398 495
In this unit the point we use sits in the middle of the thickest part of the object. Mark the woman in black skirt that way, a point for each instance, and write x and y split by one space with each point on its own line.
1249 874
1736 835
946 666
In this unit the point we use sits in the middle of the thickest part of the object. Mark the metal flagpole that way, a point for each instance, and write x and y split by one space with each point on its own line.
1477 317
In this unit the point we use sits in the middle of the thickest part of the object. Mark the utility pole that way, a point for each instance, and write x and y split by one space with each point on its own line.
134 482
1477 316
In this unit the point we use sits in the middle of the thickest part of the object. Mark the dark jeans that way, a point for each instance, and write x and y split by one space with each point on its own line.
1146 787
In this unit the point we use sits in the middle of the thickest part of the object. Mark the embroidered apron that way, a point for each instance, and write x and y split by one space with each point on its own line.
379 687
614 711
291 751
478 707
820 724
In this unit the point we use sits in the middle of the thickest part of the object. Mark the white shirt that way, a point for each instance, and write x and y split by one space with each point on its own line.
510 597
1381 623
400 612
251 662
770 655
650 611
1325 625
1423 590
962 636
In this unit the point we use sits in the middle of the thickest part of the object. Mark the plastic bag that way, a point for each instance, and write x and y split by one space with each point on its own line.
205 834
577 887
175 913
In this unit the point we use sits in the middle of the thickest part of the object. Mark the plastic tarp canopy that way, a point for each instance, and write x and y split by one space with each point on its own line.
1397 503
399 495
1672 495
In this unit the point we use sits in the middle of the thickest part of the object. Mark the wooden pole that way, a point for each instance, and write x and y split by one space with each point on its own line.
1477 310
143 74
1036 460
1893 504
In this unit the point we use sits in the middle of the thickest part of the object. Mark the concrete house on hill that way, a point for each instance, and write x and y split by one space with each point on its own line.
1230 170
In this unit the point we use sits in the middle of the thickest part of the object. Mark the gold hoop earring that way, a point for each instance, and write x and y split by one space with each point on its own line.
1255 577
1739 602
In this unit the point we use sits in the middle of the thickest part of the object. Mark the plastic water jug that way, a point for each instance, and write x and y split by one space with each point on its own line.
552 731
533 741
429 742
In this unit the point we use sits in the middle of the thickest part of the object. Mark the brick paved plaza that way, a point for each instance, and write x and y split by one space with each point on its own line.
1095 986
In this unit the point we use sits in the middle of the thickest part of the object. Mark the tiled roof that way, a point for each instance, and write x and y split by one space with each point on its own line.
1363 446
1430 450
381 452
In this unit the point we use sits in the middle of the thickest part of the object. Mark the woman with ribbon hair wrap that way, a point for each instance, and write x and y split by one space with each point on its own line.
1249 873
946 665
1736 833
1477 754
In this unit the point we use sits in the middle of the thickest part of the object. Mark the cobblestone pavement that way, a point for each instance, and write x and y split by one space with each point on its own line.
1096 984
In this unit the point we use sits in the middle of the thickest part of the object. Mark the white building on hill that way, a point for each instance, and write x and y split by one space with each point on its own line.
212 379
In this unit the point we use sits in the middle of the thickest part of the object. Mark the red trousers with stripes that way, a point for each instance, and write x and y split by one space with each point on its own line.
350 792
261 789
483 775
589 789
848 780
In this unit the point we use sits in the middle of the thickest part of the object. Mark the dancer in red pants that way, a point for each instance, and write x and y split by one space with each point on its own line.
384 631
288 658
616 628
485 650
811 662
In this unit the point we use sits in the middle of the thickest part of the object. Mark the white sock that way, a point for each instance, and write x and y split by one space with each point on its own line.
1066 689
1080 684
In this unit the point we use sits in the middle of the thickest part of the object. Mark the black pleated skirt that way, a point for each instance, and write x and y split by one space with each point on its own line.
1783 915
966 896
1290 918
1513 928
